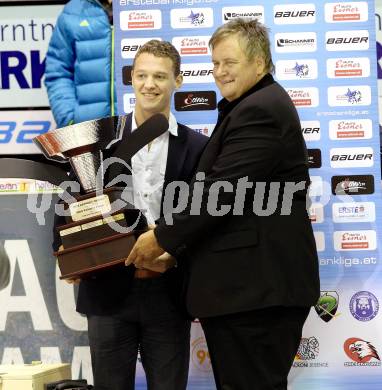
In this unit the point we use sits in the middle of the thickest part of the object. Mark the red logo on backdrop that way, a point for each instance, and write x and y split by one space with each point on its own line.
360 351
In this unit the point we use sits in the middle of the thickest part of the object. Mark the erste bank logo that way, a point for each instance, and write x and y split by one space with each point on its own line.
364 306
349 212
351 157
129 47
348 67
320 241
355 240
311 130
192 17
246 11
128 102
350 129
360 352
197 73
192 46
354 95
294 14
205 129
316 213
296 42
304 97
141 20
353 185
347 40
296 69
355 11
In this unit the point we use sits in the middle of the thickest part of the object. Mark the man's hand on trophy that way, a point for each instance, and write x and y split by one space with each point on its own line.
160 264
146 249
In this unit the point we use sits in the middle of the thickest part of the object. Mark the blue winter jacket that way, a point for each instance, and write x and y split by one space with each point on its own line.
80 64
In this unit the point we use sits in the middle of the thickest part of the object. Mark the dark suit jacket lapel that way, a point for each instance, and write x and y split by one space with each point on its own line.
177 151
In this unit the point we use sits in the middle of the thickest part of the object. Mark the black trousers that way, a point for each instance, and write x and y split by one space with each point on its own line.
149 321
254 350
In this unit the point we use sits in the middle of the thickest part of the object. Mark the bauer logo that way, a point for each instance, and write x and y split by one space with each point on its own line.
347 40
347 67
197 73
141 20
294 14
311 130
129 47
351 157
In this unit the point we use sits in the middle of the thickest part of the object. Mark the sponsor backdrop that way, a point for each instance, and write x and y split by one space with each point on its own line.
324 54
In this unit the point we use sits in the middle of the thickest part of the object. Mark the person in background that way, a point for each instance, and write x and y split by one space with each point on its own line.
79 68
252 267
128 308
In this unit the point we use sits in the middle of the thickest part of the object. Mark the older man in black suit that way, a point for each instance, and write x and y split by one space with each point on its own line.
251 262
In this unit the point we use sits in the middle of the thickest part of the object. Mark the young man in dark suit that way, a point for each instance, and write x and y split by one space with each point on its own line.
251 257
131 309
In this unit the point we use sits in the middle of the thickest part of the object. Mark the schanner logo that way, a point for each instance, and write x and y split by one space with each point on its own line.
294 14
355 240
353 185
192 46
129 47
361 352
197 73
192 17
350 129
355 11
195 101
351 157
296 70
347 40
304 97
311 130
141 20
348 67
314 158
348 212
354 95
296 42
248 12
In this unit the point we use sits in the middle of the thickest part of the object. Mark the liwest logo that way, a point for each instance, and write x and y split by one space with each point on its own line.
355 11
192 46
353 185
350 129
360 351
351 157
311 130
304 97
355 240
347 67
195 101
296 42
314 158
357 95
141 20
296 70
347 40
294 14
248 12
316 213
349 212
197 73
129 47
364 306
192 17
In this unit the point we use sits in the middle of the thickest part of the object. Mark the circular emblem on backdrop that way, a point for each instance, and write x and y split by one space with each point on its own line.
200 355
364 306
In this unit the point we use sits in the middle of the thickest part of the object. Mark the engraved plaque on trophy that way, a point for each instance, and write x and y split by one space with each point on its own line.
98 232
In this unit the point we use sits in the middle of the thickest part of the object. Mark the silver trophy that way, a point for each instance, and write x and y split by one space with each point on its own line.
97 234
